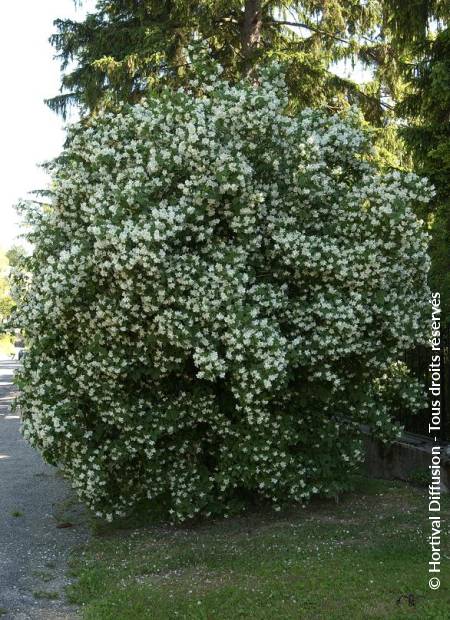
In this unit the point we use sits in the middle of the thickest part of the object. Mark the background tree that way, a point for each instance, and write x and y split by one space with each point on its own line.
5 298
6 305
127 46
16 256
426 107
19 274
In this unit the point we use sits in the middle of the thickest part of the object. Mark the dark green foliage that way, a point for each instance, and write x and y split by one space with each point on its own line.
427 107
129 46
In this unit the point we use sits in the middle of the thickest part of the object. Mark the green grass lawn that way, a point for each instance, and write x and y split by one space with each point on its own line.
352 560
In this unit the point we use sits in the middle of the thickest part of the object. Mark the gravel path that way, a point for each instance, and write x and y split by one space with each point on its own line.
34 499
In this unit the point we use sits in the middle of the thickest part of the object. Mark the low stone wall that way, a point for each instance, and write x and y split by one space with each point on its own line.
405 459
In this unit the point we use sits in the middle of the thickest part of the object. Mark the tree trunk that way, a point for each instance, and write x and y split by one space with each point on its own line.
251 31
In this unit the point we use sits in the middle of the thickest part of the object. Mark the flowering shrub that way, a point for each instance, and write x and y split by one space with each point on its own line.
219 294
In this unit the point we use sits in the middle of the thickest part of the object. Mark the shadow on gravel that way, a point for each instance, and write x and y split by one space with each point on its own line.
40 523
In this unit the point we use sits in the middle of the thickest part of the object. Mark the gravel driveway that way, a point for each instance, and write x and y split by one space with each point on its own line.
34 499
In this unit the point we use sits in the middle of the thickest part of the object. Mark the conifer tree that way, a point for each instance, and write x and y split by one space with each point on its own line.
420 36
128 46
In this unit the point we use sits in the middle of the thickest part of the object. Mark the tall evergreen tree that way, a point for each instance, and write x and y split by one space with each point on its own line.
427 107
418 36
127 46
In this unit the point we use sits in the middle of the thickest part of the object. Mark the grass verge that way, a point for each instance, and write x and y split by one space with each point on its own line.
366 557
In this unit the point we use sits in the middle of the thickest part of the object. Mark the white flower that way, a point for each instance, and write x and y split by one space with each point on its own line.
214 283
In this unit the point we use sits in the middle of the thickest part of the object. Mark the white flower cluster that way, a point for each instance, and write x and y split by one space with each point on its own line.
217 287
